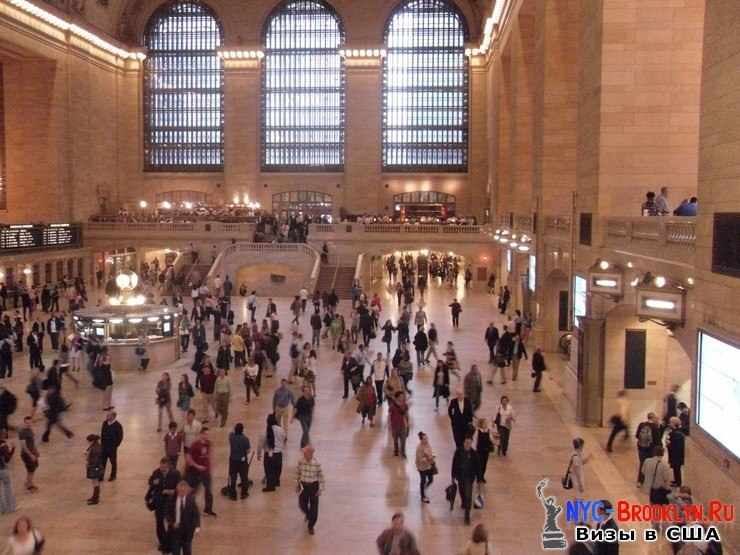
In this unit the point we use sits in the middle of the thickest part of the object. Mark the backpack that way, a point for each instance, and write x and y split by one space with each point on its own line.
645 436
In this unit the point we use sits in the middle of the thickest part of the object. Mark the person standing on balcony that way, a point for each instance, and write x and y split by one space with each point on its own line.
661 202
649 208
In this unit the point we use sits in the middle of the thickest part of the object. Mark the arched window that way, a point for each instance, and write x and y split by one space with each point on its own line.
183 89
425 89
303 89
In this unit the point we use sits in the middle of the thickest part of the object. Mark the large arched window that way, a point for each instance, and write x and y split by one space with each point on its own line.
183 89
425 89
303 89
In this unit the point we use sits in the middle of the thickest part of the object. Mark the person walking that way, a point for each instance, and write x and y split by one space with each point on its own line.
367 402
380 372
504 299
29 452
222 396
576 466
198 468
173 444
433 342
55 407
387 338
207 385
163 394
648 438
538 367
304 407
190 430
441 384
676 449
251 376
460 411
239 347
25 539
491 338
397 540
421 344
184 520
161 493
103 378
465 471
473 387
398 418
239 448
111 436
620 420
185 394
425 464
504 422
455 310
272 444
95 468
518 350
483 446
7 497
185 330
310 485
282 405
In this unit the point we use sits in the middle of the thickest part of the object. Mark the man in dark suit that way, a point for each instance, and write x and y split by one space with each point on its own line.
465 470
460 412
491 336
111 436
607 523
34 350
162 489
184 520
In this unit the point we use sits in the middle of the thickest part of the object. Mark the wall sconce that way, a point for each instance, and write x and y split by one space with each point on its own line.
606 279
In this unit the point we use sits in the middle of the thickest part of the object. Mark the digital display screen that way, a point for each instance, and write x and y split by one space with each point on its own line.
532 282
579 298
718 392
39 236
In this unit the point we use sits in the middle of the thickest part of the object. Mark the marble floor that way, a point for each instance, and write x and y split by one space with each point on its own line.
365 483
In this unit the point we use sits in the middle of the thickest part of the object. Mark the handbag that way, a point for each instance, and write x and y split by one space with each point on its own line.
94 472
433 470
38 543
450 493
567 481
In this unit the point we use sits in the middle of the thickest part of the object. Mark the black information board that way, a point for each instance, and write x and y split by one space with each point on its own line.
23 237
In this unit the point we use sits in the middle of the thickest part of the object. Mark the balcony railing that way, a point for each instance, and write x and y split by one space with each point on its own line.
146 230
390 231
659 237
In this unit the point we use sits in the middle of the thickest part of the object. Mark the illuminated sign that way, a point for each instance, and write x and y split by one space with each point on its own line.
25 237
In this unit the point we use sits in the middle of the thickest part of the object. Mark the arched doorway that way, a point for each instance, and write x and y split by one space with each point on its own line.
317 205
423 204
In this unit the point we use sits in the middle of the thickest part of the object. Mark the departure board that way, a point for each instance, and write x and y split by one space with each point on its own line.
22 237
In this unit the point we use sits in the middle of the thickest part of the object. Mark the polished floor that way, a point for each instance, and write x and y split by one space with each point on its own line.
365 483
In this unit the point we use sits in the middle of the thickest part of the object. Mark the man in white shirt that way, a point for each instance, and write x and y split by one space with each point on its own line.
303 294
661 202
190 430
658 477
380 370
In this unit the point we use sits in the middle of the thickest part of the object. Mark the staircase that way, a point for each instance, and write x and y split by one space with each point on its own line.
343 282
326 278
196 272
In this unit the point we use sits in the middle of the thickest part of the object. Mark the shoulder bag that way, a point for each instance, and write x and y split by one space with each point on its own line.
567 481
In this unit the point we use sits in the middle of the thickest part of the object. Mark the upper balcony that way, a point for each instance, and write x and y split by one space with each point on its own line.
666 239
380 232
158 232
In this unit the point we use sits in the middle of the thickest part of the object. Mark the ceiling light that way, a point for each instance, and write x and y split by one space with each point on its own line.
660 281
690 281
143 204
635 281
606 283
630 265
604 265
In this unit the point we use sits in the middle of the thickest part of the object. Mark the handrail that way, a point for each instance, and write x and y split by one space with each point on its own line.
266 247
680 230
395 228
358 267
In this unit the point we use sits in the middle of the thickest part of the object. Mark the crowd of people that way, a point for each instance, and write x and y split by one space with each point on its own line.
378 365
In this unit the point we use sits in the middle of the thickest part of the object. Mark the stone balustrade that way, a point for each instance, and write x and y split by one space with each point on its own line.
147 231
661 237
390 231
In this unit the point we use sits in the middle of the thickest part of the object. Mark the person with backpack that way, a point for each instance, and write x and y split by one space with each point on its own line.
648 438
7 498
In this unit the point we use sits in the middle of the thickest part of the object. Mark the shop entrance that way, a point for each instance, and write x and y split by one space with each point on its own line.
423 205
317 206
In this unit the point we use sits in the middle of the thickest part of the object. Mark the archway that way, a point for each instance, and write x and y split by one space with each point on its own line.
418 205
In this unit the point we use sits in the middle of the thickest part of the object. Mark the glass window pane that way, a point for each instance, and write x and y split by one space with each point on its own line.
303 89
183 90
425 89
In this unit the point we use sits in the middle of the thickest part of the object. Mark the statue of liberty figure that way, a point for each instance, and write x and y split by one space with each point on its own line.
552 536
